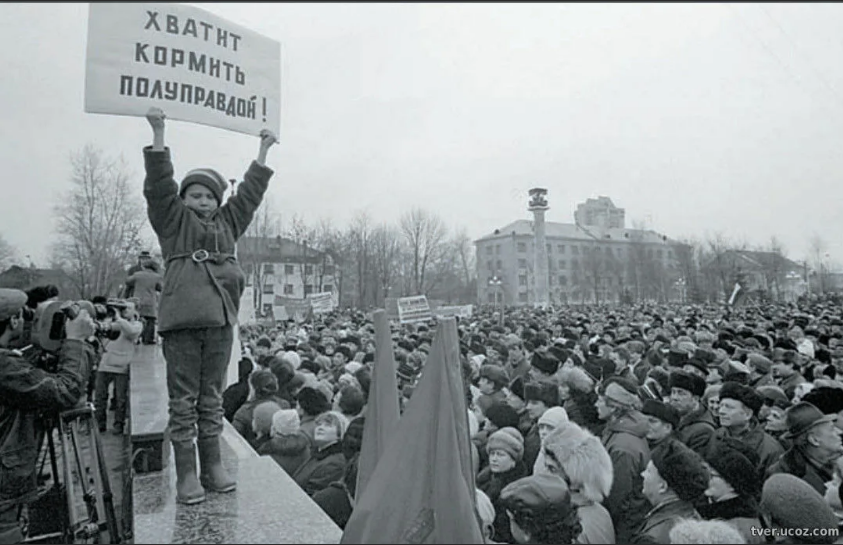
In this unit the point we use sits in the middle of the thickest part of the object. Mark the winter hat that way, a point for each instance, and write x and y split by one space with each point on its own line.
740 392
285 422
793 503
662 411
336 419
761 363
544 362
502 415
264 382
583 458
692 532
803 417
773 395
312 401
576 379
687 381
264 342
553 417
538 494
827 399
544 391
207 177
508 440
263 417
736 468
621 390
326 390
736 372
353 366
496 374
682 469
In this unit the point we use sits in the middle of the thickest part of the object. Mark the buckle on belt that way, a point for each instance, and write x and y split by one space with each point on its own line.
200 256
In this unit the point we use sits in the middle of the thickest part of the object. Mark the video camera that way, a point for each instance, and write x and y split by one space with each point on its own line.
49 331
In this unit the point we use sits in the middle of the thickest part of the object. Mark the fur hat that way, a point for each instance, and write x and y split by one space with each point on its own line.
496 374
690 531
508 440
761 363
544 362
583 458
687 381
740 392
827 399
621 390
737 469
682 469
263 416
207 177
544 391
502 415
285 422
793 503
575 379
662 411
312 401
698 364
264 382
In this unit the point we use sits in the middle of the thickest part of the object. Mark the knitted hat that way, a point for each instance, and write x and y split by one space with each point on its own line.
687 381
544 362
736 469
682 469
740 392
207 177
508 440
496 374
263 416
544 391
285 422
662 411
502 415
553 417
793 503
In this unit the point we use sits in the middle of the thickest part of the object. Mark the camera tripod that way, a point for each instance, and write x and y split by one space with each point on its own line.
79 507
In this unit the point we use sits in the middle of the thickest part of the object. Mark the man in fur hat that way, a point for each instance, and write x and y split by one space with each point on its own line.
696 425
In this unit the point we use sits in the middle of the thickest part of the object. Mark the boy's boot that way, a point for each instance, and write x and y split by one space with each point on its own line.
188 489
213 475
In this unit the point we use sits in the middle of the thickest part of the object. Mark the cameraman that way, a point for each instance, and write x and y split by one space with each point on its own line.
114 367
26 390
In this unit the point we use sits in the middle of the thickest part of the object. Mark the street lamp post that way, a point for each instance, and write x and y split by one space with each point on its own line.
496 284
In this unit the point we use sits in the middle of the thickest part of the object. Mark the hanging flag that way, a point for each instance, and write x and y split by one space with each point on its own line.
420 490
382 412
734 295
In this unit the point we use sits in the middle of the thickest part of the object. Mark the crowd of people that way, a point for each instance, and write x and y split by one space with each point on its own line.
635 424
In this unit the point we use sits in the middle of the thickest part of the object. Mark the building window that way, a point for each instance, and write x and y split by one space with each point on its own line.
575 250
327 288
328 270
499 264
522 247
561 263
288 289
522 263
268 289
563 280
522 297
267 309
497 248
308 269
489 250
549 249
522 280
288 269
491 265
268 268
574 263
308 289
561 248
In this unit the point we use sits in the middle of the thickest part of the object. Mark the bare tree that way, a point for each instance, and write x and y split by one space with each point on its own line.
359 234
817 248
99 223
265 225
8 254
424 233
386 253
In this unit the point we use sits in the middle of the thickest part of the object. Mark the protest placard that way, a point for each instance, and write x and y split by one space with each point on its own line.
413 309
321 302
463 311
192 64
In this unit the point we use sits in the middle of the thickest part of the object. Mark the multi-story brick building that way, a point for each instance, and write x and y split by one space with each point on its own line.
595 259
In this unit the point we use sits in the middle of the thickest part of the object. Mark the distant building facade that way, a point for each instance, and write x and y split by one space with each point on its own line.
596 260
762 274
278 266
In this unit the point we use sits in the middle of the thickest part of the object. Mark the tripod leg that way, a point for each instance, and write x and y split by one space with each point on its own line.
104 485
72 507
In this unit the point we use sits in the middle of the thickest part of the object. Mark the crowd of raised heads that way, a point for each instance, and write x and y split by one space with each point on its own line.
636 424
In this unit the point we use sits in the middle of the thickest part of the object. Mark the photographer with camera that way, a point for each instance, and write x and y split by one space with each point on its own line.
25 392
114 365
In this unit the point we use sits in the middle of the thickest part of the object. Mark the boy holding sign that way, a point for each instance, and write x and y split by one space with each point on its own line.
199 304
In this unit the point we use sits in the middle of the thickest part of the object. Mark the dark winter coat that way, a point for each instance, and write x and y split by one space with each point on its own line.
625 441
336 502
492 484
581 410
146 285
796 463
660 521
740 512
768 449
532 446
289 451
234 397
321 468
696 430
205 294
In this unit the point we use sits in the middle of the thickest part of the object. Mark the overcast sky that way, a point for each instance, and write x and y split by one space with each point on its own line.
696 118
